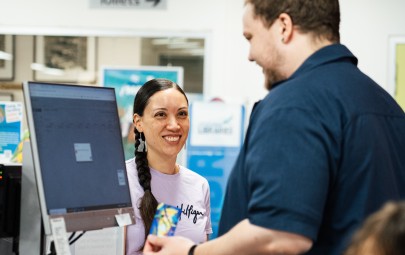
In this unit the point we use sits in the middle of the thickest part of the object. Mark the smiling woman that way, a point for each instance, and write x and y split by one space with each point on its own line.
161 120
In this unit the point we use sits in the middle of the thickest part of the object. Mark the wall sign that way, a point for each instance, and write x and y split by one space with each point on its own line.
129 4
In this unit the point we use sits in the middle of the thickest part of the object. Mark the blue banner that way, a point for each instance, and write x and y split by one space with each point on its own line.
216 135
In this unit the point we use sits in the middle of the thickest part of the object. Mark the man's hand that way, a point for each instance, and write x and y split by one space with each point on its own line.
174 245
244 238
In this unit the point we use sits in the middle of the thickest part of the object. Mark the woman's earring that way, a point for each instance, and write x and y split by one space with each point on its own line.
142 145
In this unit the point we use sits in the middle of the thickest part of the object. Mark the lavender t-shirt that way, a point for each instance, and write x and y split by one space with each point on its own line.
187 190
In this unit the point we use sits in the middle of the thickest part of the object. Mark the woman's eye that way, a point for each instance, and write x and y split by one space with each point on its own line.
183 113
160 114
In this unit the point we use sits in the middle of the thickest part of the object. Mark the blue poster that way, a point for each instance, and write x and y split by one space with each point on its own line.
216 135
10 129
127 82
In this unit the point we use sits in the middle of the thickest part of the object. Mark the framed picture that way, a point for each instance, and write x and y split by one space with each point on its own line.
65 59
6 57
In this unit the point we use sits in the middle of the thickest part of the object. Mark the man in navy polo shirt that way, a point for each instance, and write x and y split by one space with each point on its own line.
324 149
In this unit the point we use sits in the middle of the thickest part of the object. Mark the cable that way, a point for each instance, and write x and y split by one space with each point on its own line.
74 240
72 235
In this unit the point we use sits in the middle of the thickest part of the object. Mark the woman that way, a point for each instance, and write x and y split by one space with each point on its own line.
161 128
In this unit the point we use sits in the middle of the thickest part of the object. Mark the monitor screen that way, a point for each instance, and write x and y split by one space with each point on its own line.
77 155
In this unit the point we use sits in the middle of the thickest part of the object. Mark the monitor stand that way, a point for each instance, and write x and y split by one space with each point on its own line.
32 238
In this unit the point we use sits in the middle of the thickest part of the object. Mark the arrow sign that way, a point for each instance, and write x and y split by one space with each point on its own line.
129 4
156 2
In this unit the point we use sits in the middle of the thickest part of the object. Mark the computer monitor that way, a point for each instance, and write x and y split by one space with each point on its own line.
77 155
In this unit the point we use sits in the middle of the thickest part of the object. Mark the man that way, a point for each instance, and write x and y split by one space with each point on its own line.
324 149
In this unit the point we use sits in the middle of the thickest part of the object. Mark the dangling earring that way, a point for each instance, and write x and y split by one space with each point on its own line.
142 145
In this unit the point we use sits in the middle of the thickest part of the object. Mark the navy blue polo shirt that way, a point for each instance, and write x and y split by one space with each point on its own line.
324 149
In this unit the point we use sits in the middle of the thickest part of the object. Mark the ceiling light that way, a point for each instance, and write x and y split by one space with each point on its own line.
46 70
5 55
37 66
164 41
187 45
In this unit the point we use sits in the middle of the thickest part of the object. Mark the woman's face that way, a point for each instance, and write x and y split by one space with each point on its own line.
165 123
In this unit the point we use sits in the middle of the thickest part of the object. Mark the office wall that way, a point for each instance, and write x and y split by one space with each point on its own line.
365 29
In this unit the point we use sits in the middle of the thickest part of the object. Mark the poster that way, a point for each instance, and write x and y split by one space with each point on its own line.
10 129
400 75
127 81
216 136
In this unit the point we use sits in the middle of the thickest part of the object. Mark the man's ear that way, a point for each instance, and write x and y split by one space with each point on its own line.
137 120
286 27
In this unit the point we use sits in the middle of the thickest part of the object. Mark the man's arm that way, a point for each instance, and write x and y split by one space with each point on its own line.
244 238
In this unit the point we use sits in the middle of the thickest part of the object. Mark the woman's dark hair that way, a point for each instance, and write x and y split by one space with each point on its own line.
148 202
384 231
319 17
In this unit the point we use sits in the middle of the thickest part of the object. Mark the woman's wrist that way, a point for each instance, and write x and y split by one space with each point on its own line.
191 250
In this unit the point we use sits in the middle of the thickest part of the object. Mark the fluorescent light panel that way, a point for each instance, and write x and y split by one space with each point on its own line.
5 55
